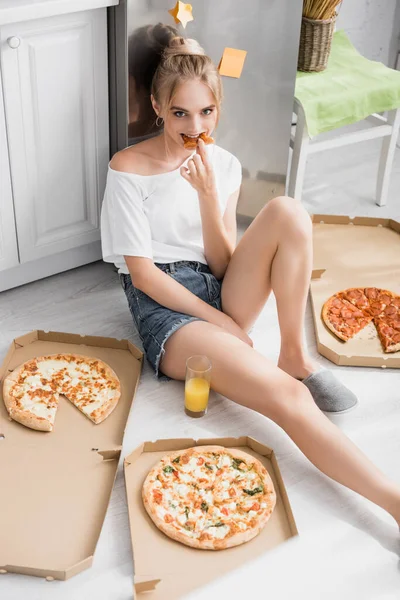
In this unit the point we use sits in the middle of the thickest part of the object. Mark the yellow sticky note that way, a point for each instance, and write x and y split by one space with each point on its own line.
182 13
231 63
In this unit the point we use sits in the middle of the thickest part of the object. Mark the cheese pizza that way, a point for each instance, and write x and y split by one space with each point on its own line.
31 391
209 497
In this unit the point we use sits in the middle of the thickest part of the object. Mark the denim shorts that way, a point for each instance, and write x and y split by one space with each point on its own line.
154 322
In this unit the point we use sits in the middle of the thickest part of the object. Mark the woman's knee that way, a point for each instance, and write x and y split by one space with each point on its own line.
291 214
297 404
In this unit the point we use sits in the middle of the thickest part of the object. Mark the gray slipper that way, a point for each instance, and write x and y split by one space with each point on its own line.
329 393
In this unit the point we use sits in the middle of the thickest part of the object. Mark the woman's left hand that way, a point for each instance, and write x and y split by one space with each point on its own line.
199 172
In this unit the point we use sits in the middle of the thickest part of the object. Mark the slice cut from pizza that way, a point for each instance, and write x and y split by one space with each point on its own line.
206 138
388 325
190 143
30 398
343 318
93 387
389 333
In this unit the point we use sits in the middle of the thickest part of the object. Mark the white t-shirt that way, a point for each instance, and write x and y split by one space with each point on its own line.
158 216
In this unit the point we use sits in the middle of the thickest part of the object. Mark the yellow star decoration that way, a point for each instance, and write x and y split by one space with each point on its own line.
182 13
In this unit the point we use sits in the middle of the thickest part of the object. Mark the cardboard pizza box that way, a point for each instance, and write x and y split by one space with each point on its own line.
354 252
169 569
56 486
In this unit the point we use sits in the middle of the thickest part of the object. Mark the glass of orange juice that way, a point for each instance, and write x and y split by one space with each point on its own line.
197 385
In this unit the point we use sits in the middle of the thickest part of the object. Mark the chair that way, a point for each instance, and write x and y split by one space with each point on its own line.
351 89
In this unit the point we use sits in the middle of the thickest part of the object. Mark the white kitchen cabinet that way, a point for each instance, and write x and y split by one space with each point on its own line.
8 236
55 87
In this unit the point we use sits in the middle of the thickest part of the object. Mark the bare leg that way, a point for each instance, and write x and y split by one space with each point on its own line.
274 253
248 378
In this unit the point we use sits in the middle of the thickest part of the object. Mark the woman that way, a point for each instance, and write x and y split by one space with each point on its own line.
168 223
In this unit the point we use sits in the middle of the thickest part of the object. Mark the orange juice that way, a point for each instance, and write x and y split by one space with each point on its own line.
196 394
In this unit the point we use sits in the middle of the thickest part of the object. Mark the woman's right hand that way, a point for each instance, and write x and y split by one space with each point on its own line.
227 323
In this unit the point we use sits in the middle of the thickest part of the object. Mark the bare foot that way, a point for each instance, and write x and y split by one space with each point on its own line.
298 367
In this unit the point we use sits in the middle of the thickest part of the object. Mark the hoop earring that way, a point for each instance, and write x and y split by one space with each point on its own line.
159 121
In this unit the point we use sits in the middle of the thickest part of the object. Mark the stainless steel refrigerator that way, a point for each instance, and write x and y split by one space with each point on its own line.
257 108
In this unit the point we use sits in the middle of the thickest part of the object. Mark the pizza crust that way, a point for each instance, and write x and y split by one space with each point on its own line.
99 415
236 539
325 317
17 414
30 420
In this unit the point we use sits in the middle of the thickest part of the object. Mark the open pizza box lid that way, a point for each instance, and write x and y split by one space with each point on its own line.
169 569
56 486
354 252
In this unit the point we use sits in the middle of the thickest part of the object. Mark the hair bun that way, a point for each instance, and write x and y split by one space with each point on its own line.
179 46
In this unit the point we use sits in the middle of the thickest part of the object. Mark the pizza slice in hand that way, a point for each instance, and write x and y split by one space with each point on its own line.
190 143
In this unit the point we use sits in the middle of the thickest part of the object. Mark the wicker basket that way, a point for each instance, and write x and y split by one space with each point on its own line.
315 44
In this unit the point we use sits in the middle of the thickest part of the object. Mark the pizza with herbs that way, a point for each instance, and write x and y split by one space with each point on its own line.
31 391
349 311
209 497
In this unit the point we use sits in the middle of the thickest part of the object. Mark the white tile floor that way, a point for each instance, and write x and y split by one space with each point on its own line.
348 548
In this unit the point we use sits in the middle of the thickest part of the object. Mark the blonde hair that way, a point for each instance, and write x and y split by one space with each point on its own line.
184 60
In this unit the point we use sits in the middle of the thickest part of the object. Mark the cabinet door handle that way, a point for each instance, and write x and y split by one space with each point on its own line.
13 42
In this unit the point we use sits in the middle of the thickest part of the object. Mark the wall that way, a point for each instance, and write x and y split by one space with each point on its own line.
373 27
